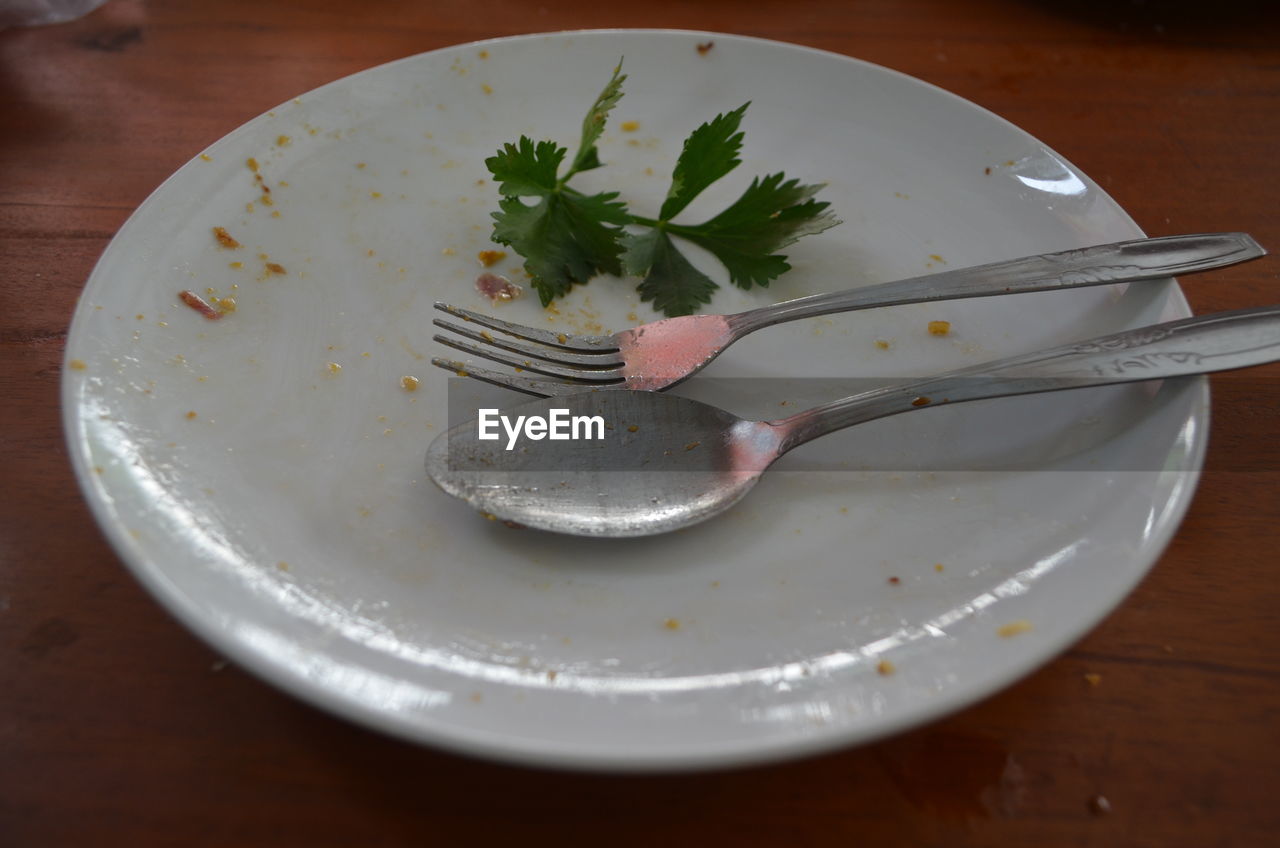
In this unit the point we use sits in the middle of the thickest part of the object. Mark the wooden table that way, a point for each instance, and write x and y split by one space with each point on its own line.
118 727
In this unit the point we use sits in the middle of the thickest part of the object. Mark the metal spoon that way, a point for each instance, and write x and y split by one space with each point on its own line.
667 462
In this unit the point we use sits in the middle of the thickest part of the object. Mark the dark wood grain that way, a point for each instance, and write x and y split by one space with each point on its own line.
117 727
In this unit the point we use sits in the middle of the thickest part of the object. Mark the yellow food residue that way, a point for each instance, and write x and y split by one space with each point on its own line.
1013 628
491 257
939 328
409 384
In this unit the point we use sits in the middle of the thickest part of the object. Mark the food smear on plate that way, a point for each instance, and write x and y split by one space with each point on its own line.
939 328
497 289
489 258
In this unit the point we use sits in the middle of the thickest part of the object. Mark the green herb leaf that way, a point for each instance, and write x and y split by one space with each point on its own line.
526 169
593 124
710 152
567 237
670 281
772 213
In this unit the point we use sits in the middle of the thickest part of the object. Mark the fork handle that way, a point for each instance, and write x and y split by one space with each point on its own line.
1121 262
1200 345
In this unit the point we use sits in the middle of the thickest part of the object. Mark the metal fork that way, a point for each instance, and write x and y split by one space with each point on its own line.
660 354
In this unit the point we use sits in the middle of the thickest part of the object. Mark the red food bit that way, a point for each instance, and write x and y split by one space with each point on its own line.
703 49
894 581
198 304
497 288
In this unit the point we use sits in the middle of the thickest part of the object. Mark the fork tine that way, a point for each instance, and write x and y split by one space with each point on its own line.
557 355
587 344
528 385
538 366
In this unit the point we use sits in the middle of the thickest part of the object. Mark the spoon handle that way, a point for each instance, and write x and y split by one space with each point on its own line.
1121 262
1217 342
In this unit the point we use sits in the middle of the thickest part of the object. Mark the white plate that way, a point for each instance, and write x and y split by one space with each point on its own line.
753 637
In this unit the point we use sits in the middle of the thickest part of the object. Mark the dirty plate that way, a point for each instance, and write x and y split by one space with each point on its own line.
262 473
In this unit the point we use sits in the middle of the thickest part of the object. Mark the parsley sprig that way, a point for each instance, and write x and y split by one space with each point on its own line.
567 237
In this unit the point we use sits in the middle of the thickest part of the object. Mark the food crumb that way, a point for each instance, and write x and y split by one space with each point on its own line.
885 668
1013 628
224 238
283 141
936 258
705 47
1093 679
987 171
235 266
476 697
282 565
486 88
921 401
672 624
333 367
691 445
77 365
629 126
191 416
882 344
491 257
937 566
1099 805
633 428
276 268
252 163
206 157
375 194
409 384
939 328
894 581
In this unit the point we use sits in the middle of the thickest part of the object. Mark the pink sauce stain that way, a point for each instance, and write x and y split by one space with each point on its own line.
670 349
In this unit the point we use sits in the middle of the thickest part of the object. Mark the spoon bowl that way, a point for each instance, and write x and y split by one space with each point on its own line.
664 462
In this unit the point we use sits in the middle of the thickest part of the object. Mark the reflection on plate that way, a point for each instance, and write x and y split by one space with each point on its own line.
261 473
